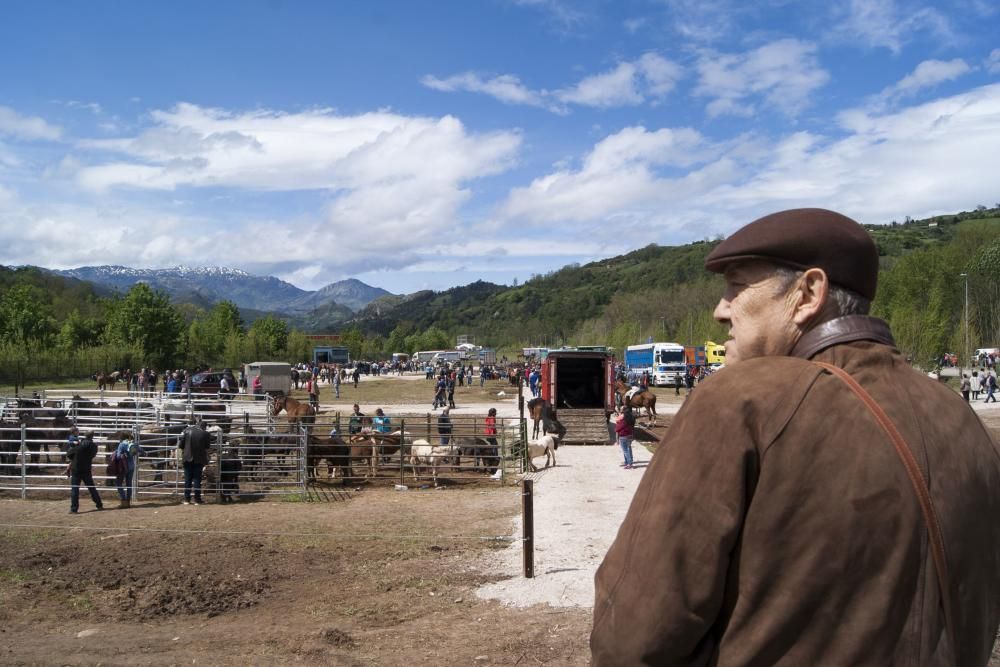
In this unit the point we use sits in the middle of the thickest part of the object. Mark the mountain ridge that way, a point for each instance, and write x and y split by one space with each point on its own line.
215 283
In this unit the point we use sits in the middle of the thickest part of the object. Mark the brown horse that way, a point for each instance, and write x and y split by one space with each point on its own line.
543 413
296 410
641 399
107 380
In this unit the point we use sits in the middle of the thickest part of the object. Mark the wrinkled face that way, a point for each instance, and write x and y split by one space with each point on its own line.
758 312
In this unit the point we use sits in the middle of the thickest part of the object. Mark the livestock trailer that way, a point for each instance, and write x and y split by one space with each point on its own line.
580 385
275 376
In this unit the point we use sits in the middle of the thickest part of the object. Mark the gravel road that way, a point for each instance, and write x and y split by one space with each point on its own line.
579 505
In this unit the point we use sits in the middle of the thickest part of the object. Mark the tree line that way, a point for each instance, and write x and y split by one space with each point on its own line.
49 323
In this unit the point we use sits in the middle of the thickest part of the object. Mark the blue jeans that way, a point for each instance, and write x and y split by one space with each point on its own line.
625 442
192 477
125 484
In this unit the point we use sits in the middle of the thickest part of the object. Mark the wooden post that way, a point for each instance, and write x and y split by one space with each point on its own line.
528 528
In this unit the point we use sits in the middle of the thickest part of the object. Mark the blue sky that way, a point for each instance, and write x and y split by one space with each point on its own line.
419 145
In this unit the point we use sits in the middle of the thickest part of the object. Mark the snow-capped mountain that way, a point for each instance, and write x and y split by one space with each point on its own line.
213 284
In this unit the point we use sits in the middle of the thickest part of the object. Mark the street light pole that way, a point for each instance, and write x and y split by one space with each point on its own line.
967 351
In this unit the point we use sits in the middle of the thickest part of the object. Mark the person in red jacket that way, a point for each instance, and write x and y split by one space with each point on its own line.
624 429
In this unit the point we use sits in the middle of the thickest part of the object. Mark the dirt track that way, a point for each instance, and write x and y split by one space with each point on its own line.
371 577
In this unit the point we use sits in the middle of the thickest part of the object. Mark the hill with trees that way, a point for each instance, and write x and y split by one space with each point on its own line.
50 323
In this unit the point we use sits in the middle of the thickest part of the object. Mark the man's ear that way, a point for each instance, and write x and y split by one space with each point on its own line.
811 293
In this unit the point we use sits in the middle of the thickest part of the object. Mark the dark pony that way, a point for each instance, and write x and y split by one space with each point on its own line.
542 412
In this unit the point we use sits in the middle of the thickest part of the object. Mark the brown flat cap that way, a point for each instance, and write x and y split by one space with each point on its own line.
803 238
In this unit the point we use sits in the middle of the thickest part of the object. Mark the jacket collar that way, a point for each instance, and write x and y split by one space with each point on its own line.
846 329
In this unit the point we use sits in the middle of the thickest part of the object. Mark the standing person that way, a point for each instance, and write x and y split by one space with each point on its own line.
444 427
195 443
357 422
81 453
991 387
624 427
312 387
451 391
782 527
965 386
336 382
974 385
225 392
492 453
258 387
127 453
439 392
357 376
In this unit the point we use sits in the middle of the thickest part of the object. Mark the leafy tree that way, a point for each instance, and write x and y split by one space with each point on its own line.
77 332
269 335
146 319
225 319
299 347
26 317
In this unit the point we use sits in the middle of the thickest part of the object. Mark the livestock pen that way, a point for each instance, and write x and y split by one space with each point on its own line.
274 455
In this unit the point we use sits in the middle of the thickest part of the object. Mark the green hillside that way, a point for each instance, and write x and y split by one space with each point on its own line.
658 291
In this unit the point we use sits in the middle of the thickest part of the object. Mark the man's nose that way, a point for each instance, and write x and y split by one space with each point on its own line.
721 312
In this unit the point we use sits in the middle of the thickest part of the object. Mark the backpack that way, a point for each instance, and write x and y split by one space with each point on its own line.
117 466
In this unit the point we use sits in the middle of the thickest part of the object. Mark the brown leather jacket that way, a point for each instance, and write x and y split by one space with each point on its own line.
776 525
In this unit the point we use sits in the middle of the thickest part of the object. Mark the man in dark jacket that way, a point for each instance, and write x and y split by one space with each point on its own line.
81 453
779 525
196 444
444 426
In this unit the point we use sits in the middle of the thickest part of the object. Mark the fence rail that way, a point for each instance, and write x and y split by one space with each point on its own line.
262 454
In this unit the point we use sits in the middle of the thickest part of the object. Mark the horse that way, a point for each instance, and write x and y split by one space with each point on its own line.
542 412
107 380
296 410
483 453
643 398
335 451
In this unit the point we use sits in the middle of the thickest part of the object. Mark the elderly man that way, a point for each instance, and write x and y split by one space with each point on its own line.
778 523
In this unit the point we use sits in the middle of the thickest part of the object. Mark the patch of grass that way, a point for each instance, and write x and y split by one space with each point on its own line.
12 576
82 602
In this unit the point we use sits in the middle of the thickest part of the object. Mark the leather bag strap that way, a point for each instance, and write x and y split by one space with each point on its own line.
919 487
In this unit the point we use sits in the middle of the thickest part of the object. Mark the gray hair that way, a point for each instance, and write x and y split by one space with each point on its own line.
842 300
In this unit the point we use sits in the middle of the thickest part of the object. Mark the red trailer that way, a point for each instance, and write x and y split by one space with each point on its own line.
575 379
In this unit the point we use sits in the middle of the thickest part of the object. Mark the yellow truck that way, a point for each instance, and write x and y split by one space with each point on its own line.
715 354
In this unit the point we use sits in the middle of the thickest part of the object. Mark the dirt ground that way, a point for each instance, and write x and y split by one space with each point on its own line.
367 576
371 577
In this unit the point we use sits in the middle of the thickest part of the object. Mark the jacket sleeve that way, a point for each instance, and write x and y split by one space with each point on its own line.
662 584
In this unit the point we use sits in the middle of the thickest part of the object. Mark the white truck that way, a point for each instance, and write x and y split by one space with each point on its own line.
275 377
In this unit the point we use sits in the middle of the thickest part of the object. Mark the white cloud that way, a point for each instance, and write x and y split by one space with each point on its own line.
927 159
704 21
633 25
650 77
564 14
26 127
883 24
783 74
614 88
993 62
614 176
927 74
930 73
506 88
394 179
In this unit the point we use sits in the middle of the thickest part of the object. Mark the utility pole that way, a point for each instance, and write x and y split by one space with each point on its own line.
968 352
